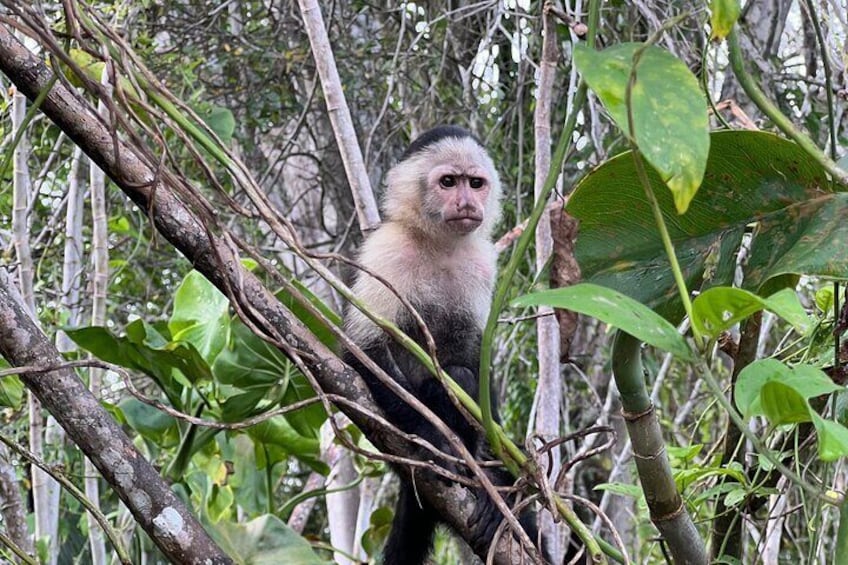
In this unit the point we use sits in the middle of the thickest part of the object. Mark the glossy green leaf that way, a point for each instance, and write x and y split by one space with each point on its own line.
824 299
253 365
805 380
781 393
278 431
735 496
616 310
219 502
832 438
719 308
145 349
150 422
222 121
751 177
249 361
200 316
248 478
380 524
668 108
723 16
11 392
782 404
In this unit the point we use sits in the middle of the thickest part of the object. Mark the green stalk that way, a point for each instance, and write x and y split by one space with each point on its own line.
642 173
508 274
773 112
840 554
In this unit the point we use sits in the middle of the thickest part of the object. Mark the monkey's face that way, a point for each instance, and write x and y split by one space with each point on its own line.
457 196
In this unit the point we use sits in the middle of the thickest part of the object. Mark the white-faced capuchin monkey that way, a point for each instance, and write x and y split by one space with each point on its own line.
442 200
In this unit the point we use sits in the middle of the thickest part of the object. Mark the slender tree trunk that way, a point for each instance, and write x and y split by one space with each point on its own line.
45 490
549 387
337 108
342 506
100 284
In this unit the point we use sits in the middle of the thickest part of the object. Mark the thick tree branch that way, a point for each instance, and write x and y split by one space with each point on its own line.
154 191
155 507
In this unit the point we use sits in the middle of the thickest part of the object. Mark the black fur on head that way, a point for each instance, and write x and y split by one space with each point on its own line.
433 136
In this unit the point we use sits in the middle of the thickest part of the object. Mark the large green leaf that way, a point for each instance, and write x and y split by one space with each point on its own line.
150 422
614 309
782 394
144 349
201 316
719 308
260 372
751 177
266 540
669 111
806 380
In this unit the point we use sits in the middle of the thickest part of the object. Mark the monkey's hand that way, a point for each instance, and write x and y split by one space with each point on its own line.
486 518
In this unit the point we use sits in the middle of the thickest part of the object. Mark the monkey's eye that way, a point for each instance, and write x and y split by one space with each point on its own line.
476 182
447 181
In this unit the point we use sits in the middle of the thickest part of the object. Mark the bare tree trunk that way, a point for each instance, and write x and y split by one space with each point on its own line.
72 266
45 490
360 184
549 386
342 506
100 284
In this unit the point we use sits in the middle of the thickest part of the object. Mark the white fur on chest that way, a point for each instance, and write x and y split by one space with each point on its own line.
462 275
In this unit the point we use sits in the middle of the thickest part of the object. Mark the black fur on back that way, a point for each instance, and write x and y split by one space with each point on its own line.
435 135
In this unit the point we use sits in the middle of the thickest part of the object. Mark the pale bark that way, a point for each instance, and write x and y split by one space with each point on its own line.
340 118
549 386
342 506
72 266
99 287
44 489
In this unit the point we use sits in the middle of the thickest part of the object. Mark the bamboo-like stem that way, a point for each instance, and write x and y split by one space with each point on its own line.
668 512
549 390
99 288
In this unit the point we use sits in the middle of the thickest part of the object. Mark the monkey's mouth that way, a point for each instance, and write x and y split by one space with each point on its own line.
464 224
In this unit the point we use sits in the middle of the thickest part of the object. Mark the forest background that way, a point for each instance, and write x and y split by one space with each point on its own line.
252 139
